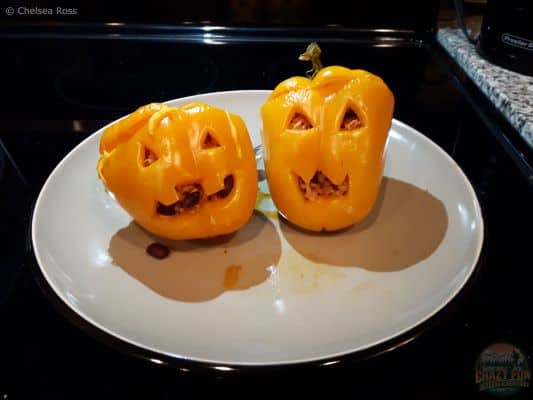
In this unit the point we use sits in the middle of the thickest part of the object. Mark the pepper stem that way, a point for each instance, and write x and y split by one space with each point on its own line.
312 53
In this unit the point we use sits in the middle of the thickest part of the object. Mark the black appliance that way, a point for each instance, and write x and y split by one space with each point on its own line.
506 37
55 69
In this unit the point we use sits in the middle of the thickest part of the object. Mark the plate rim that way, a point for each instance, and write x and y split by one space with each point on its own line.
155 355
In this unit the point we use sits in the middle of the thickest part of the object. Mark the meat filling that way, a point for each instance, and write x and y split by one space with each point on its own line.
210 142
190 197
228 186
149 157
299 122
350 121
321 186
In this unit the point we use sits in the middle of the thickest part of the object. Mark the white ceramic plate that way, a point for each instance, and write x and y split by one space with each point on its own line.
298 310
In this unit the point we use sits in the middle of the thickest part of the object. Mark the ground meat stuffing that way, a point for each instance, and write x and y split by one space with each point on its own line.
190 197
149 157
300 122
210 142
229 181
320 186
350 121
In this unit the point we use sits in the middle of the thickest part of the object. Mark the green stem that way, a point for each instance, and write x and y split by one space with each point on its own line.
312 53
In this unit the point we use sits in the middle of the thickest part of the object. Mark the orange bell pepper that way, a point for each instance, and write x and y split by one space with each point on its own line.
324 141
181 173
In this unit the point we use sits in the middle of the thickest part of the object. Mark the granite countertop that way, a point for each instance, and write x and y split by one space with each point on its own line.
511 92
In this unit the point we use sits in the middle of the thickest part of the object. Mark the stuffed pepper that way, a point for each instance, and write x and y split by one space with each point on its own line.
181 173
324 142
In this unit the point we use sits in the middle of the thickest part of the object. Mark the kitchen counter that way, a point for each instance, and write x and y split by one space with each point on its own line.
510 92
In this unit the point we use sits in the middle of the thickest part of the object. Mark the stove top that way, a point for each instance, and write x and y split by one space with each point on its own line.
63 88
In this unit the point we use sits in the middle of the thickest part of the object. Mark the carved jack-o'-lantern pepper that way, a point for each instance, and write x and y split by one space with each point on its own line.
181 173
324 141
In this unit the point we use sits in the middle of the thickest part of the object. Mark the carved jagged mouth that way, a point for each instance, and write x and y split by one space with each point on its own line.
321 186
191 196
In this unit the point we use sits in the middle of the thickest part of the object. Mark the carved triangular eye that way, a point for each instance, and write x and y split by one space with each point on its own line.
149 157
210 141
350 121
299 122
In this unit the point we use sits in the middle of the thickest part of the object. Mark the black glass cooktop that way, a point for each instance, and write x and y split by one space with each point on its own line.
59 89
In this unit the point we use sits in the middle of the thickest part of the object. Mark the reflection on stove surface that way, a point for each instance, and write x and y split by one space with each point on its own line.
128 80
2 164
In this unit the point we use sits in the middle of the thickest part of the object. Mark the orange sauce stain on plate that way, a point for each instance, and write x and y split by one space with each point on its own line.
232 275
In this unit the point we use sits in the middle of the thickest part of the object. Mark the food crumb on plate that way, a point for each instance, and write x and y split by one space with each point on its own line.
232 275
